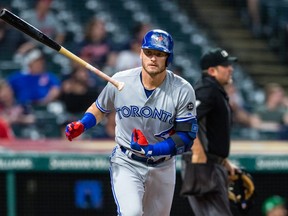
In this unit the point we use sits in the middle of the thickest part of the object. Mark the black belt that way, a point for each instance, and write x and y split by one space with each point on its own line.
146 160
211 158
214 159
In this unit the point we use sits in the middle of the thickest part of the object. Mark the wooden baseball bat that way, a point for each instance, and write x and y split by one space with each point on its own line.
35 33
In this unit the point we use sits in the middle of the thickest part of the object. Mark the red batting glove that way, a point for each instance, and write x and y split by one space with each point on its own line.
140 144
139 137
74 129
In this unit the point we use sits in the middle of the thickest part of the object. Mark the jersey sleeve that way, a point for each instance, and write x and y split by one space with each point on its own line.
186 105
105 101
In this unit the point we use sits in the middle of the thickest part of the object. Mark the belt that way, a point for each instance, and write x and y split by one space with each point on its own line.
212 158
146 160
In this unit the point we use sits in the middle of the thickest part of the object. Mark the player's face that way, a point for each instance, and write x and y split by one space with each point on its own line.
153 61
223 74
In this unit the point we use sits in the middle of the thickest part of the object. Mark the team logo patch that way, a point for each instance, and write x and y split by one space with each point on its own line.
160 40
224 53
190 106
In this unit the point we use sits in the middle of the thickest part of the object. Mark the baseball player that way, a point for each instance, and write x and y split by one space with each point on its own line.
155 120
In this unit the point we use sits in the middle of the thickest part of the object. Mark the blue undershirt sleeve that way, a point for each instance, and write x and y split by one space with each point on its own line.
88 120
168 146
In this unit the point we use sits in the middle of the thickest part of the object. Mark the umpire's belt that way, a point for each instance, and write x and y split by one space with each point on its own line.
146 160
212 158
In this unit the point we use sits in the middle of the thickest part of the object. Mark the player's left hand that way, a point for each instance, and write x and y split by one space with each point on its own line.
140 144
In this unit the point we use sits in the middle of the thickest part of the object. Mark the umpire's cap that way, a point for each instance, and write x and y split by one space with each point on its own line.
160 40
216 57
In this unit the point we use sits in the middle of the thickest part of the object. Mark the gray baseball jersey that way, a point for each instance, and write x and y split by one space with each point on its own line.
134 183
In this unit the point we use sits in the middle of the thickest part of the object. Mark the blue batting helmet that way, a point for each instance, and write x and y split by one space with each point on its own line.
159 40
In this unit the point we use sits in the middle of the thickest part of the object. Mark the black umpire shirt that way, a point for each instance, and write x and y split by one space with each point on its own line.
213 115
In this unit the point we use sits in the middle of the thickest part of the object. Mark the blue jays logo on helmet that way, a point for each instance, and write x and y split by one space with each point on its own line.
159 40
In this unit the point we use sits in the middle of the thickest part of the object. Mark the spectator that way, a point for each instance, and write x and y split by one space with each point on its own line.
129 58
240 116
96 45
179 70
274 206
250 11
12 112
140 30
11 42
273 114
110 67
5 130
45 20
14 115
34 85
77 92
255 17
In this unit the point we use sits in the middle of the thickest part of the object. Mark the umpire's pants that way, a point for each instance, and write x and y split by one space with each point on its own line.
209 196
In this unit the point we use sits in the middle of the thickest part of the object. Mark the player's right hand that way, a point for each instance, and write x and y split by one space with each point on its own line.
74 129
140 144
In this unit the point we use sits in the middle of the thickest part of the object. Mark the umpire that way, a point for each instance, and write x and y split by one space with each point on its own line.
205 180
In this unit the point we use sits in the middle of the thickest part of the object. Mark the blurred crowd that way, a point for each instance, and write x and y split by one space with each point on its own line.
37 100
267 20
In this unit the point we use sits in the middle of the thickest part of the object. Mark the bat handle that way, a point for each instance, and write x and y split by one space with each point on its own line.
117 84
